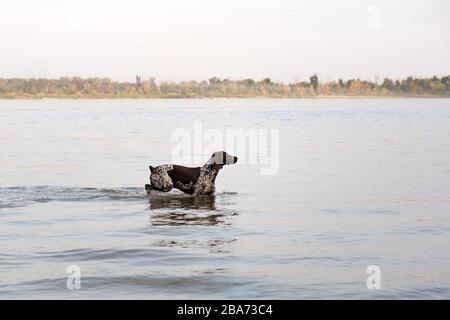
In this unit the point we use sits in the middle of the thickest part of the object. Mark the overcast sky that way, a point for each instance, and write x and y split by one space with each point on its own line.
286 40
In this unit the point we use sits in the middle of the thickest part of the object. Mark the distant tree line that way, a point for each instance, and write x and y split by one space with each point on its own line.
75 87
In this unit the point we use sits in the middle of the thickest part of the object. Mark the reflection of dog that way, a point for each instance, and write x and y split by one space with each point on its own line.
182 201
196 181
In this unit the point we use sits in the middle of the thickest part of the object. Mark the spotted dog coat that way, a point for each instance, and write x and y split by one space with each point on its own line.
160 179
195 181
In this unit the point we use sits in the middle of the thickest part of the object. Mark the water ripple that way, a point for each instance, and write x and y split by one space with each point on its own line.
22 196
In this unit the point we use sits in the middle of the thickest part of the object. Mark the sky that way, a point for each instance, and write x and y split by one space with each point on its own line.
174 40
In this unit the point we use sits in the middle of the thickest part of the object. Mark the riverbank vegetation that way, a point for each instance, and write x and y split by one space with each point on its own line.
75 87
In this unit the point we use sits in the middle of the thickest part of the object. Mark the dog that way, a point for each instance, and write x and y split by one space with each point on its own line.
195 181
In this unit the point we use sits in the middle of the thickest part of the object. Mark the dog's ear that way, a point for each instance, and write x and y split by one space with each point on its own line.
151 168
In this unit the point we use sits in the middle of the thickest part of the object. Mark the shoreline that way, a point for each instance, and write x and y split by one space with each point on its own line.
322 97
215 88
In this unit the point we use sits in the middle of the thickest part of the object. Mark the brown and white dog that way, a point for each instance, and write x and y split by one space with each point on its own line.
195 181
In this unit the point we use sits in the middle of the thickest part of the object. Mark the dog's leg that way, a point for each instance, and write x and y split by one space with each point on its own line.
196 192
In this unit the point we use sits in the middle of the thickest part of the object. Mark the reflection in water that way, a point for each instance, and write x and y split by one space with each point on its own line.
213 245
183 202
186 210
185 218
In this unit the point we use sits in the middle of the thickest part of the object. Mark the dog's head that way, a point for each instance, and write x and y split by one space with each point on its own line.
221 158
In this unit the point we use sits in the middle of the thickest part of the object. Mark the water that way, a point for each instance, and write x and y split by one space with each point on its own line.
361 182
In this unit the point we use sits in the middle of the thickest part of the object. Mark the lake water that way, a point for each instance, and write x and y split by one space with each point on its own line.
360 182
